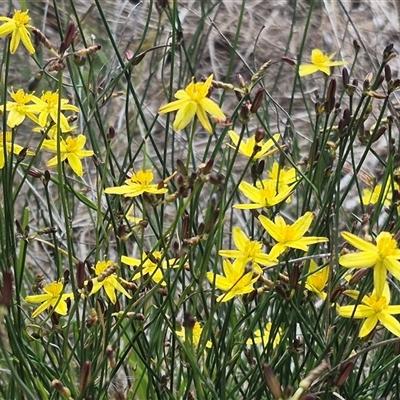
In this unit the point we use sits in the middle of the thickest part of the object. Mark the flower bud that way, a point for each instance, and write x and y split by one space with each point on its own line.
34 81
64 392
272 382
388 73
42 38
258 98
345 76
85 376
6 290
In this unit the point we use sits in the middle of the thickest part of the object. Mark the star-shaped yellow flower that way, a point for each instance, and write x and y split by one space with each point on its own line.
264 336
373 309
382 257
19 108
236 280
264 194
139 183
248 251
196 334
49 108
247 146
107 278
71 149
151 264
193 100
17 28
319 62
16 148
53 297
317 279
290 236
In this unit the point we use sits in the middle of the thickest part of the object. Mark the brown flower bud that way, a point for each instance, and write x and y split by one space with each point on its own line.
258 98
388 53
42 38
69 37
80 275
85 376
272 382
64 392
345 76
6 290
344 373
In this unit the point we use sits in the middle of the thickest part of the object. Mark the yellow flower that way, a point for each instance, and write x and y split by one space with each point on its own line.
373 309
383 256
19 109
319 62
10 147
139 183
248 251
283 177
152 265
290 236
264 337
247 146
49 108
17 27
236 282
53 297
196 334
317 279
71 150
264 194
107 278
372 196
193 101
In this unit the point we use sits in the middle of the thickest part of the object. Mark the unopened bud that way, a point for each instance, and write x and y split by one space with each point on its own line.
241 82
345 76
69 37
85 376
258 98
111 133
388 53
42 38
344 373
388 73
80 275
34 81
272 382
64 392
88 50
6 290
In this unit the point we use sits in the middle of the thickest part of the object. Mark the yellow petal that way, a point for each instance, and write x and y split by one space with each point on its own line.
307 69
212 108
390 323
185 115
202 116
271 228
26 40
359 260
15 39
358 243
75 163
368 325
172 106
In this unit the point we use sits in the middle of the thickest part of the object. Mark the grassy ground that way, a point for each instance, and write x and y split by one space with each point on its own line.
147 254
